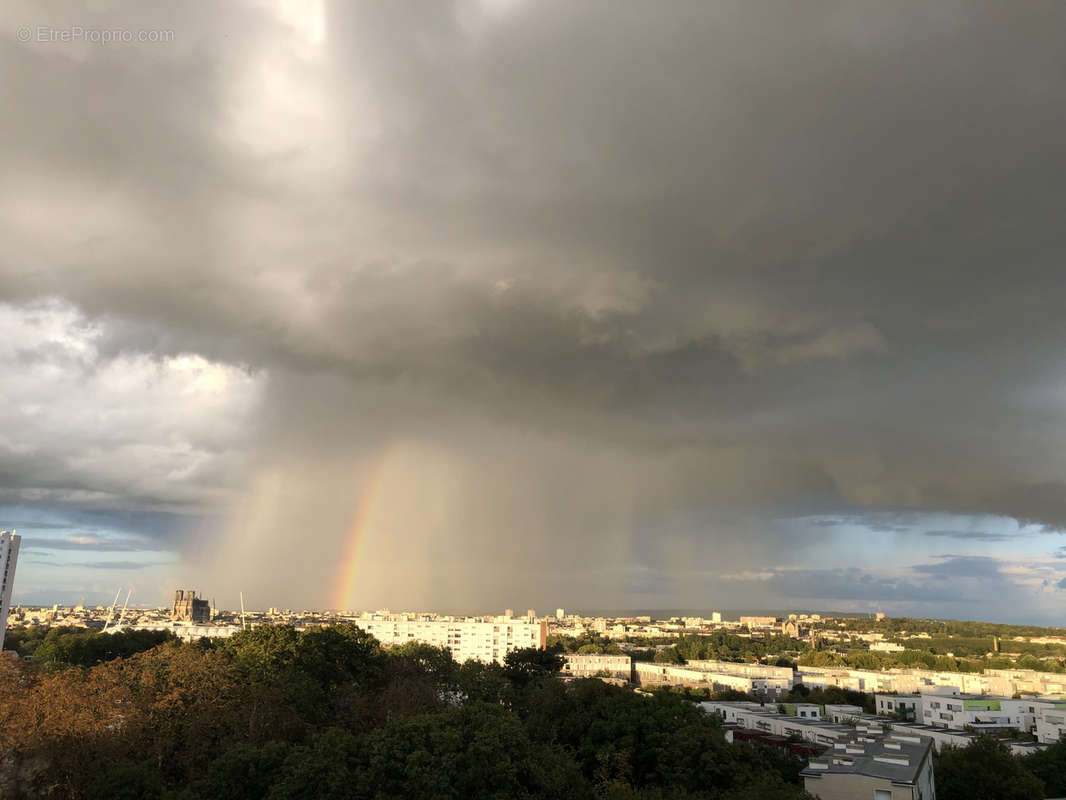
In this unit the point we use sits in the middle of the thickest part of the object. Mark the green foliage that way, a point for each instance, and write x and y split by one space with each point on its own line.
325 768
244 771
984 770
326 656
62 648
1049 766
280 713
830 695
525 665
586 643
725 646
669 655
127 781
474 751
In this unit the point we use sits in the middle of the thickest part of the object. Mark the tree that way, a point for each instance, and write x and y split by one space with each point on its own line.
1049 766
669 655
244 772
984 770
127 781
475 751
527 664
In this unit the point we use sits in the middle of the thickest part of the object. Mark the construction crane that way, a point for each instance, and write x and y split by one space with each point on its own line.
122 614
111 611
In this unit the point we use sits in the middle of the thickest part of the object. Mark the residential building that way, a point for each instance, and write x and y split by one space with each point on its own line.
9 554
999 682
1050 723
873 767
766 719
758 622
468 639
842 713
900 706
589 665
716 675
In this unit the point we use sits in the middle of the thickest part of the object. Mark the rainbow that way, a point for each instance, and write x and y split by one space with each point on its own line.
362 522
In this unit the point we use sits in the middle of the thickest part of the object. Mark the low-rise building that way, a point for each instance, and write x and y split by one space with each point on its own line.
874 767
717 676
904 707
999 682
842 712
592 665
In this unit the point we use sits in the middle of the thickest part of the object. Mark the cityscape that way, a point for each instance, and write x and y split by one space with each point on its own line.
534 399
880 735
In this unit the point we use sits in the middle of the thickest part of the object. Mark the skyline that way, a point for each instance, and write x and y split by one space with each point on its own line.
456 305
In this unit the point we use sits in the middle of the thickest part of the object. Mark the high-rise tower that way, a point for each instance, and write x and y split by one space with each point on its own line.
9 555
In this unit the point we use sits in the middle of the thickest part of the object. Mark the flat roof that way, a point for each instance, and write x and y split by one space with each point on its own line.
880 758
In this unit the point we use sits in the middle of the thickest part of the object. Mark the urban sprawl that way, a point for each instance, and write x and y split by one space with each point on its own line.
886 738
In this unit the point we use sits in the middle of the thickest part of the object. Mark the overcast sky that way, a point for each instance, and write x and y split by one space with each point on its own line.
493 303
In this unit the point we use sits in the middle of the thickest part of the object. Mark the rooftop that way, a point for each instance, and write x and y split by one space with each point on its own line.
899 760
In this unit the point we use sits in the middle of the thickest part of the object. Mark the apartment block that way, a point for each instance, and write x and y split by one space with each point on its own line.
946 708
467 639
589 665
1002 683
716 675
900 706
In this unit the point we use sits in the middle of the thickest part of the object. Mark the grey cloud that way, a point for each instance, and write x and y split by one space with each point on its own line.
955 566
973 536
91 543
702 258
827 585
124 565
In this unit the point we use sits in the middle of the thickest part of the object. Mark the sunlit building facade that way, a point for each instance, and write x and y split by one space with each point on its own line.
9 553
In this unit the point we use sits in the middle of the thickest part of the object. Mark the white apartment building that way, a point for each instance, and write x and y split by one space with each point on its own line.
467 639
1050 723
758 622
839 723
9 554
756 717
589 665
716 675
999 682
904 706
1043 716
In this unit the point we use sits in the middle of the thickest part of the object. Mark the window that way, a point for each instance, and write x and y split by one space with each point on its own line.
882 794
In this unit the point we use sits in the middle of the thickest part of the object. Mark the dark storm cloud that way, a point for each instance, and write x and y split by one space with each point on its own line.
769 256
